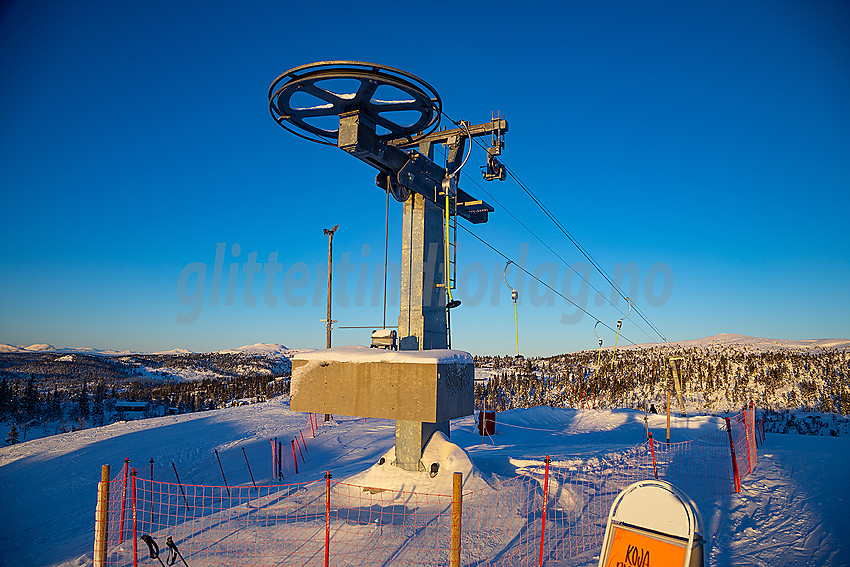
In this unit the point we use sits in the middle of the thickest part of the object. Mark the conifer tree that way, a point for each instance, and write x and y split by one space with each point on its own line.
13 435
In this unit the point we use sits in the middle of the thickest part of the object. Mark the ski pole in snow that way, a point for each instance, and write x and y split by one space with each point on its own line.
175 553
153 548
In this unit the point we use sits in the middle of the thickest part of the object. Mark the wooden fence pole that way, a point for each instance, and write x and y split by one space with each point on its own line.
101 518
457 513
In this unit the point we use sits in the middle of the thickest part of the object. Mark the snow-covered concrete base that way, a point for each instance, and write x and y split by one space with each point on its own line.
439 451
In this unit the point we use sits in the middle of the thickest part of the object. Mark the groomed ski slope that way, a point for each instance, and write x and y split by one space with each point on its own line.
792 511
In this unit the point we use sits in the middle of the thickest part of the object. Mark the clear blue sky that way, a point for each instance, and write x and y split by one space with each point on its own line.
712 138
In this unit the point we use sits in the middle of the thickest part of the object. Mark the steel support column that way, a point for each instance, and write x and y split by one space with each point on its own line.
422 317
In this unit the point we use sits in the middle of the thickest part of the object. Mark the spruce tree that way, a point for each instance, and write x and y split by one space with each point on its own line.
55 406
30 401
83 404
13 435
97 409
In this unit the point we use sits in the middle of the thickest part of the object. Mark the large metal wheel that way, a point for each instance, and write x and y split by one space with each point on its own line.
327 89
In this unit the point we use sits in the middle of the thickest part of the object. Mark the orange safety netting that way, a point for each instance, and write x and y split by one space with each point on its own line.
547 514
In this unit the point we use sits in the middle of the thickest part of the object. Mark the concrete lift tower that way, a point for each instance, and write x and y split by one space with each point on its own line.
390 119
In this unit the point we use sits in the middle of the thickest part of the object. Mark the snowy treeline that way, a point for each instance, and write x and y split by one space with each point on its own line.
54 393
716 378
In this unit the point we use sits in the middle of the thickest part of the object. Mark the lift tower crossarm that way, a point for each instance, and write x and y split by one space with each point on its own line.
443 136
414 170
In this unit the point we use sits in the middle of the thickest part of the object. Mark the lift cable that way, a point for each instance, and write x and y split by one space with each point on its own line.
558 224
569 236
538 280
580 248
546 244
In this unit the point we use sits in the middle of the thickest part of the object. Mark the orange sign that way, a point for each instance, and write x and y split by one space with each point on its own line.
630 549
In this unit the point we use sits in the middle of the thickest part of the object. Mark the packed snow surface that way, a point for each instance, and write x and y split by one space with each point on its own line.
790 513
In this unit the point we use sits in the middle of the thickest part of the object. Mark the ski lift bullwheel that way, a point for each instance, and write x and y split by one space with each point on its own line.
305 99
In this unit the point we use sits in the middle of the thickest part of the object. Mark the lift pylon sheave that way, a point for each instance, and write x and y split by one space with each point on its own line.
389 119
367 128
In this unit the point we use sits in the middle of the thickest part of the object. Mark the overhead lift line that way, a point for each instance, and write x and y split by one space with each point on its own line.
538 280
546 244
557 223
580 248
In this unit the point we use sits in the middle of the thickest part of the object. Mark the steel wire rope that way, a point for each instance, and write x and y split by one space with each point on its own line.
546 244
542 241
580 248
569 236
535 278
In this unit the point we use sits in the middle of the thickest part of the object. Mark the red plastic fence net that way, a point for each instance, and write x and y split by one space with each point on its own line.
549 513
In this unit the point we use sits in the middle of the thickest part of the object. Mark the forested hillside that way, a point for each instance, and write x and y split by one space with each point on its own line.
713 378
44 393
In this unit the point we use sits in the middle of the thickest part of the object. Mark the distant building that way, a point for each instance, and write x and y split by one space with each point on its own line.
131 409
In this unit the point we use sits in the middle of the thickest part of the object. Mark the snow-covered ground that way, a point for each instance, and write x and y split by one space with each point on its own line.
791 511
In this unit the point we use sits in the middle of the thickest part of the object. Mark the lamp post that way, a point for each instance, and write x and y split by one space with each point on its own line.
329 232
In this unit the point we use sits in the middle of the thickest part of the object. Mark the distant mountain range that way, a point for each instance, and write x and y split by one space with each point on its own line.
742 342
268 349
746 342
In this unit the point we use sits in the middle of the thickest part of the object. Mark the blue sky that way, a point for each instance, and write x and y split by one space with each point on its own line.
705 142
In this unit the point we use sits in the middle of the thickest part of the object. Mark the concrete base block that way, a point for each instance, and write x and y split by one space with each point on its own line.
424 386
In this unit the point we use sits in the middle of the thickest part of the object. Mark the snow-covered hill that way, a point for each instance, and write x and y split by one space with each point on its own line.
743 342
717 373
268 349
747 343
